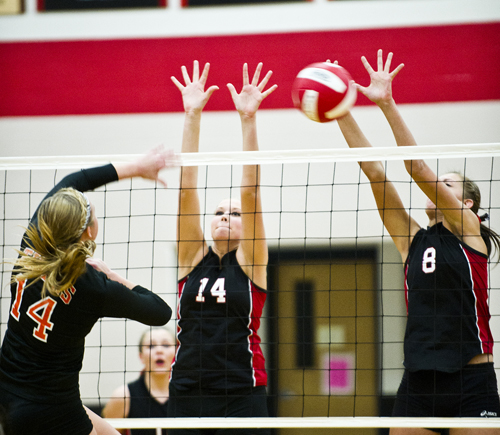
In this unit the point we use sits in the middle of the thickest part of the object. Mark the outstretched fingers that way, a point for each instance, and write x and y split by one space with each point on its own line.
204 74
246 80
196 71
185 75
177 83
256 76
264 81
396 70
270 90
367 65
387 67
380 60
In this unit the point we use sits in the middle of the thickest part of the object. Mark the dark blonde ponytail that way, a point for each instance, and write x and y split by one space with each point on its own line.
56 254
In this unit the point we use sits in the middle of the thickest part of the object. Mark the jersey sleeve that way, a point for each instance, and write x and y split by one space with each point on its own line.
85 180
116 300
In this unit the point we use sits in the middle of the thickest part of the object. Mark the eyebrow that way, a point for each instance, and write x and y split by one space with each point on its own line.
233 209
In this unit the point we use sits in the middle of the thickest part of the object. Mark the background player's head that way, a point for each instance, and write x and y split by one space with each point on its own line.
62 242
157 350
226 223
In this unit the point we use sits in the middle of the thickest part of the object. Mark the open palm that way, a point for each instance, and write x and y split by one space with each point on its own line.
194 96
252 94
380 88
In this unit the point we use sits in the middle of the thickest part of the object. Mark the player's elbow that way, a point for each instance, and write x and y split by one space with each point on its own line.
163 316
414 167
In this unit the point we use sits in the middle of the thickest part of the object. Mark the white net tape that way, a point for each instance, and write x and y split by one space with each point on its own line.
302 422
268 157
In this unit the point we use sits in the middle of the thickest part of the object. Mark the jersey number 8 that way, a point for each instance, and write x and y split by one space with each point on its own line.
429 260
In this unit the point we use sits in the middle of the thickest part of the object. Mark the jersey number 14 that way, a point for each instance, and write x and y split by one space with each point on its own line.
217 291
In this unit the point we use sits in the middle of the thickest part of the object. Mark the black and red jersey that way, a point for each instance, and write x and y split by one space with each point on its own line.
42 350
143 404
446 285
219 315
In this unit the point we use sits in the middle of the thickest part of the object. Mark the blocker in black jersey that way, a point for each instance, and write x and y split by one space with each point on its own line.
42 350
218 341
219 368
448 344
446 285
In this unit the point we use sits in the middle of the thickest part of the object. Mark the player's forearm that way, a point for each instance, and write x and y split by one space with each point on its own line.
401 132
355 138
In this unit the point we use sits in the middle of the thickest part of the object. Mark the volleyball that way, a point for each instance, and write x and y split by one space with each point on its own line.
323 91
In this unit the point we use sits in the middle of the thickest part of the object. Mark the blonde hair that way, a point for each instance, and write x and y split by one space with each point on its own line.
59 254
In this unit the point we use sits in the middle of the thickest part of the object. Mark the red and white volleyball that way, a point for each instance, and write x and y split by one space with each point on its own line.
323 91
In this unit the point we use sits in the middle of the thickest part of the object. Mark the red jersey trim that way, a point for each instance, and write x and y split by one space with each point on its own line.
257 299
478 271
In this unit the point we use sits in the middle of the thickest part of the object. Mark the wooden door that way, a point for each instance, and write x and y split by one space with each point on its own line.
326 334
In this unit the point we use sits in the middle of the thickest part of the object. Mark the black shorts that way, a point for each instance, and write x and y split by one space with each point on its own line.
470 392
251 402
27 417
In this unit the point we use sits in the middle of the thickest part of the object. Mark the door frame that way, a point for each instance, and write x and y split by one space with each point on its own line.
290 253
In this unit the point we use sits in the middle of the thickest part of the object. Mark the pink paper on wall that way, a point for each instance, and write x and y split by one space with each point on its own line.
338 375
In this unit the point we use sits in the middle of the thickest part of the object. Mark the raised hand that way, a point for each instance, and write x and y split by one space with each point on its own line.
150 165
380 89
252 94
194 96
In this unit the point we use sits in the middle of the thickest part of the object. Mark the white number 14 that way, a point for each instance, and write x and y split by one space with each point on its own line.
217 290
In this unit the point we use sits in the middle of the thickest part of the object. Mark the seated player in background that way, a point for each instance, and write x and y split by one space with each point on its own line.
146 396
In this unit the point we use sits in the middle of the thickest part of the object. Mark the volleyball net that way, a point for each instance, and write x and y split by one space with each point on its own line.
333 326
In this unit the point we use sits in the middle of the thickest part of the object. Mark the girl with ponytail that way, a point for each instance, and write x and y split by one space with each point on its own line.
58 293
448 345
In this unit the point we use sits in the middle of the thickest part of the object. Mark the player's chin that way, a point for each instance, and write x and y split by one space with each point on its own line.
222 234
430 206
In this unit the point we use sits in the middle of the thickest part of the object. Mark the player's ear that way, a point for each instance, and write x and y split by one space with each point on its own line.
469 203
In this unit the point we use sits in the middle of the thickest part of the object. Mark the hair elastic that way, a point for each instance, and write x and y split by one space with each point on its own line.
484 217
87 218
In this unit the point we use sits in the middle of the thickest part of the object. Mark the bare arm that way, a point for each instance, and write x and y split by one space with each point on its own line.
118 405
400 225
396 219
463 221
191 241
252 253
148 166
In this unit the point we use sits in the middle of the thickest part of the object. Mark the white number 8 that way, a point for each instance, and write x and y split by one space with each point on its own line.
429 260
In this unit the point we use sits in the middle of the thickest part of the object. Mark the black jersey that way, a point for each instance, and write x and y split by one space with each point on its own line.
218 320
446 286
142 404
42 351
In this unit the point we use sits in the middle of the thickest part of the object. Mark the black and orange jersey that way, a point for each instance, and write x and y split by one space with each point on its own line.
43 347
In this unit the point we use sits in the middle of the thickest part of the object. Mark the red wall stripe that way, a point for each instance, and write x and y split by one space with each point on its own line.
442 64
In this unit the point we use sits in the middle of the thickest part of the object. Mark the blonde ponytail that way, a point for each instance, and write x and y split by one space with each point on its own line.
56 254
